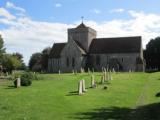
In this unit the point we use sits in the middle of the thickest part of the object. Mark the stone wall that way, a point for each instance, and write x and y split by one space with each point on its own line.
127 61
70 52
83 35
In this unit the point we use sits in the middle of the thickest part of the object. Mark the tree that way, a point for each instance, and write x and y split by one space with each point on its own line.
44 58
2 49
11 62
20 58
152 54
34 60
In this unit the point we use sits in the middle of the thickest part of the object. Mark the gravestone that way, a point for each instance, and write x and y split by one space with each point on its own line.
113 70
82 70
7 74
59 72
92 81
110 76
73 72
80 91
92 70
102 79
83 86
105 75
18 84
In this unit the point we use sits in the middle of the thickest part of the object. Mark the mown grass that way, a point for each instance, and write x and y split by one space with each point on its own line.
54 97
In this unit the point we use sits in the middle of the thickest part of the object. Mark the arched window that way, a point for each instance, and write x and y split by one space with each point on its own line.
67 61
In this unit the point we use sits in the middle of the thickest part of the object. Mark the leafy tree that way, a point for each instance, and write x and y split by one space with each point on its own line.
2 49
34 59
20 58
11 62
44 58
152 54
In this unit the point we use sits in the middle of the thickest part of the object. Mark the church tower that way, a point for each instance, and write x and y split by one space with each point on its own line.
83 35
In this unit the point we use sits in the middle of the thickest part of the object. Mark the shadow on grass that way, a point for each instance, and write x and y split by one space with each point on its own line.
11 87
147 112
158 94
72 93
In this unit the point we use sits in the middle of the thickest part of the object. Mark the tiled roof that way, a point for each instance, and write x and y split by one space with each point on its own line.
56 50
115 45
82 25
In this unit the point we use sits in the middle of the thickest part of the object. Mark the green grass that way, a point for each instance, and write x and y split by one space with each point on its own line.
129 96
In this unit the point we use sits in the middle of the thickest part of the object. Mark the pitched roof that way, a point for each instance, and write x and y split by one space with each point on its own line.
80 47
56 50
116 45
82 25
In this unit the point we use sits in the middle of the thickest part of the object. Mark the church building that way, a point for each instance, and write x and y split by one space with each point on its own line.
85 50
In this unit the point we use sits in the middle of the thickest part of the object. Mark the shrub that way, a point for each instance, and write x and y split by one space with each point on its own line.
26 78
24 82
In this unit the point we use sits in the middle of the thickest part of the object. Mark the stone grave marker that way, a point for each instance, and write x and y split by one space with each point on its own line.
83 86
89 71
18 84
80 91
92 81
102 79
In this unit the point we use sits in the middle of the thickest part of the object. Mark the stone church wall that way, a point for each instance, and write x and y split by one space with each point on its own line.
127 61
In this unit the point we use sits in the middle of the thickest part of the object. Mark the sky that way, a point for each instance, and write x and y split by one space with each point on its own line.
29 26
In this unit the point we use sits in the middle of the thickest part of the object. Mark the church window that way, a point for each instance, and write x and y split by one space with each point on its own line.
97 60
67 61
73 62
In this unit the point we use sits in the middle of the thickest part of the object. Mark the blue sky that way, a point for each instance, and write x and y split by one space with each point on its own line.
28 26
71 10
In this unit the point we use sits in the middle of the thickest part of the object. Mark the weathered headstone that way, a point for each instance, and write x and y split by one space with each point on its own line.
92 81
113 70
80 91
89 71
83 86
102 79
102 70
18 84
110 76
92 70
105 75
7 74
82 70
73 72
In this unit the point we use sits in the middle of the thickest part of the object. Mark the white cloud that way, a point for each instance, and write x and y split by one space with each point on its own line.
120 10
5 14
28 36
96 11
13 6
58 5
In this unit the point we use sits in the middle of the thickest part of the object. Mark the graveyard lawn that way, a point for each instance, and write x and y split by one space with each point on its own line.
129 96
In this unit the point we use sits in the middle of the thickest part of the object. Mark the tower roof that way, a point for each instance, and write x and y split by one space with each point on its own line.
82 25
